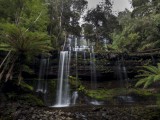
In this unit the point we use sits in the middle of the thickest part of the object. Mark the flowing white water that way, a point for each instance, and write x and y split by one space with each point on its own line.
46 78
41 87
63 97
93 75
74 97
93 70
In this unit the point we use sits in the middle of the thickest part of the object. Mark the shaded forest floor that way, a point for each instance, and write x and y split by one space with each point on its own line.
22 111
19 103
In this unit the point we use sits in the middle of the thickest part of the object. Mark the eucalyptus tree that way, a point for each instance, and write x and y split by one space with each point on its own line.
25 13
145 7
64 17
140 28
103 22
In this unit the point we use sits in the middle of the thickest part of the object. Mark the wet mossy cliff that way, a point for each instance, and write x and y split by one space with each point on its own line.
107 64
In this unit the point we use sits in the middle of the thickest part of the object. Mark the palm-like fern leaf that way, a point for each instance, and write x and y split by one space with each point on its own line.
148 76
24 46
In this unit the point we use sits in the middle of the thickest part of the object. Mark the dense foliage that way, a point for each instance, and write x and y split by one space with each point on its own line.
23 26
150 75
139 29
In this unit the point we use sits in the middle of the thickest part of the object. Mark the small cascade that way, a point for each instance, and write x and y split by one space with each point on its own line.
119 73
93 75
93 69
76 55
63 96
95 102
74 97
153 60
43 72
84 58
47 71
122 73
125 99
125 75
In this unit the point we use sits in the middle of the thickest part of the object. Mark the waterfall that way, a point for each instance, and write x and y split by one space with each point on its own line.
74 97
125 75
63 97
42 79
93 75
93 69
153 60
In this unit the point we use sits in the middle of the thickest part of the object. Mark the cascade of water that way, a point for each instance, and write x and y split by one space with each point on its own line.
93 75
75 93
46 78
93 69
84 55
84 58
125 75
119 72
78 45
153 60
122 73
74 97
76 55
63 97
41 79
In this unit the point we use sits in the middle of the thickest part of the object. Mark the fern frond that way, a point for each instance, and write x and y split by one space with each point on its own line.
149 81
151 69
157 78
142 75
141 82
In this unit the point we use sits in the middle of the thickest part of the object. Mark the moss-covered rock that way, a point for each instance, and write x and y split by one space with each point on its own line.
139 95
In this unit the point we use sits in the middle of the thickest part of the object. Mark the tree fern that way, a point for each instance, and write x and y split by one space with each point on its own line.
24 47
150 74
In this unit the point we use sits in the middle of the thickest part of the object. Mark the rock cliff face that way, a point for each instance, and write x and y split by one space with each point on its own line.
106 64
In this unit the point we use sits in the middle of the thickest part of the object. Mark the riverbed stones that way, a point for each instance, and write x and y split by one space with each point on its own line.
80 113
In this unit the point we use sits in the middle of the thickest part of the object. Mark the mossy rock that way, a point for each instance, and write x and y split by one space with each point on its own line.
110 94
31 100
11 86
22 93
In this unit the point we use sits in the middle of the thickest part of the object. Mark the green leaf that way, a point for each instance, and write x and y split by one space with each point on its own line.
149 81
156 78
151 69
141 82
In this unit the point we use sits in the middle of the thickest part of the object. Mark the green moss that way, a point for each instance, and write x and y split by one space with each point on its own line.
52 85
26 86
81 88
140 92
74 82
104 94
25 99
97 94
31 100
109 94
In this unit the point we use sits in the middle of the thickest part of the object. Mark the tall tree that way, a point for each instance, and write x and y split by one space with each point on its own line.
140 29
103 22
64 17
